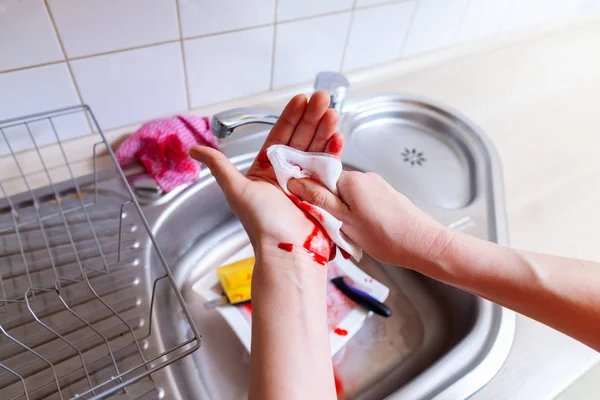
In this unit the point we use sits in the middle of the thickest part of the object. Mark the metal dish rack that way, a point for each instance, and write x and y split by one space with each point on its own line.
76 304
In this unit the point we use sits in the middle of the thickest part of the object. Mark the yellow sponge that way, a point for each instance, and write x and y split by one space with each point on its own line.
236 279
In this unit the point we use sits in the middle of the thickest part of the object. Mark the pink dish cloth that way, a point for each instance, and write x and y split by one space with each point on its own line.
162 146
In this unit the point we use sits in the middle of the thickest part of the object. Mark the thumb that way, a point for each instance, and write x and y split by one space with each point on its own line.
316 194
229 178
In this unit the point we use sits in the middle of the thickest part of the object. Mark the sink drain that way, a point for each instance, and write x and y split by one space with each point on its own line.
413 157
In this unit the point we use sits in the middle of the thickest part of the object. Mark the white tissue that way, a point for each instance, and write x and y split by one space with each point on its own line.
290 163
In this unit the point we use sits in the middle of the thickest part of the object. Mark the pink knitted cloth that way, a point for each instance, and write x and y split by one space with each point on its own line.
162 146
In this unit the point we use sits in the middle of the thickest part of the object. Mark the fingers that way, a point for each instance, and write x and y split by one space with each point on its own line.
231 181
291 115
282 130
335 144
325 130
316 194
307 127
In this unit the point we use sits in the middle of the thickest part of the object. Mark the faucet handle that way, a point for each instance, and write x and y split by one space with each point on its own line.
336 84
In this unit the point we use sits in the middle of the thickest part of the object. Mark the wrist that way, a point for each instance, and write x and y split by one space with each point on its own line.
293 259
293 277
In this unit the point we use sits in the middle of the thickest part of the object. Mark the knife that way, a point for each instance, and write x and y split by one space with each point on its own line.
361 298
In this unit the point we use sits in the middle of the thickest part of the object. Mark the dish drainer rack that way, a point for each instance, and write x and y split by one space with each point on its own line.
76 301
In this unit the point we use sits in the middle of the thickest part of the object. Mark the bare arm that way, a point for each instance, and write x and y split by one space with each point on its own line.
559 292
290 356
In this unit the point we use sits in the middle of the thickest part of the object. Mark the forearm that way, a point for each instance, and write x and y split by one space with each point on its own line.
560 292
290 356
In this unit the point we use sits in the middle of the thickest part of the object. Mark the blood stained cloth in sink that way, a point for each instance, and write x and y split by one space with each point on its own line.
338 305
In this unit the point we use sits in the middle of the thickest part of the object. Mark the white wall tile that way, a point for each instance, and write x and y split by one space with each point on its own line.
483 18
36 90
367 3
201 17
567 8
244 69
524 13
26 35
435 24
292 9
96 26
590 7
134 85
377 34
304 48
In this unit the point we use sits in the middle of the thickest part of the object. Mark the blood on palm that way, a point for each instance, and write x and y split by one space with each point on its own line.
263 160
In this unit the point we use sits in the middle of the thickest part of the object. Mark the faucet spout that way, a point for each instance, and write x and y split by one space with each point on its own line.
225 122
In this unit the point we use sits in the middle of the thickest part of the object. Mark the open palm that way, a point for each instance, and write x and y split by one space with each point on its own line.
264 210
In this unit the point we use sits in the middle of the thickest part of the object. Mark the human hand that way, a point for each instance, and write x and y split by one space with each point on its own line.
380 220
267 214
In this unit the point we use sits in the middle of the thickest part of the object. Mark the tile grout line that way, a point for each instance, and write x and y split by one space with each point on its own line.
45 64
62 49
106 53
462 19
183 59
410 27
67 62
347 40
274 46
246 28
383 4
326 14
498 31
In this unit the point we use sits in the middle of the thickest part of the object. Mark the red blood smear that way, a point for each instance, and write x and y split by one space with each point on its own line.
332 252
304 206
338 304
345 254
339 387
263 160
307 208
336 144
317 244
340 331
286 246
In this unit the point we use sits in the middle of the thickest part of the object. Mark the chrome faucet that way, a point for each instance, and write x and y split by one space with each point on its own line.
225 122
336 84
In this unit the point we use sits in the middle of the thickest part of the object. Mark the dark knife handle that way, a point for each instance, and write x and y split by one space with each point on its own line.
361 298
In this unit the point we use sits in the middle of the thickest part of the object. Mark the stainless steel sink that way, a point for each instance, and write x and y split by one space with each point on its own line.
440 343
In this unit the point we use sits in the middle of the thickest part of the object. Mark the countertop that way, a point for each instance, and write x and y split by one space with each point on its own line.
536 95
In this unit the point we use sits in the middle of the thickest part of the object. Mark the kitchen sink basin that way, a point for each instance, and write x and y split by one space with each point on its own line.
441 342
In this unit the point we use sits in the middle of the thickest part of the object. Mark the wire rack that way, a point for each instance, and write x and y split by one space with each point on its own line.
76 302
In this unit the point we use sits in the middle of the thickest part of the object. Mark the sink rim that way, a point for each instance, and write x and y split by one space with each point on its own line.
494 327
496 344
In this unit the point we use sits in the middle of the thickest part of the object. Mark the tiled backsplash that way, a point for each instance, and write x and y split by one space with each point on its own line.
133 60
